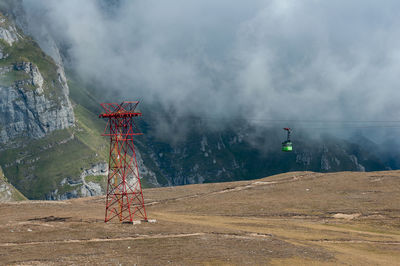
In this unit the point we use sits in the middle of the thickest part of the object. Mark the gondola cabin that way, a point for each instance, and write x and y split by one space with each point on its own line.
287 146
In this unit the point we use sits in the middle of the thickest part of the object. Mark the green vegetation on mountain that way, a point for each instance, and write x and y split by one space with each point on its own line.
28 51
38 166
50 166
42 164
7 191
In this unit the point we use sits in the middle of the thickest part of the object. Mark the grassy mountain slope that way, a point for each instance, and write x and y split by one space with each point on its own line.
7 191
48 164
27 50
42 164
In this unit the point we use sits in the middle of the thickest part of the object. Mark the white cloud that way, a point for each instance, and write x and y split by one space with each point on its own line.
274 59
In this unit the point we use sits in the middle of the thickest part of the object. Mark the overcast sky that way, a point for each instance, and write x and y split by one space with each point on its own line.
279 59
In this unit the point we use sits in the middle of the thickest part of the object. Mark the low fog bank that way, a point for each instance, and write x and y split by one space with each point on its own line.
259 60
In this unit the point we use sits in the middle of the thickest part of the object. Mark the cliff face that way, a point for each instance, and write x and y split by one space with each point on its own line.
33 89
42 145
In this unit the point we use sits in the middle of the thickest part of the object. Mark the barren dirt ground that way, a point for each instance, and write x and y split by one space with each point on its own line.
300 218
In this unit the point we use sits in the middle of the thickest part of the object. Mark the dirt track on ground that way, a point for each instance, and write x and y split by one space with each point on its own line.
294 218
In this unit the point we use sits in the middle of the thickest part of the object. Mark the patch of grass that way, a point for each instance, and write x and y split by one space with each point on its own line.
16 195
83 96
27 50
89 129
65 188
96 178
9 78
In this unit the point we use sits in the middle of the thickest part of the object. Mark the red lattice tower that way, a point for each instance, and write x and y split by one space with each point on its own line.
124 190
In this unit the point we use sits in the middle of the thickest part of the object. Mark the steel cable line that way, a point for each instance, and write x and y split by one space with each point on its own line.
276 120
321 124
297 120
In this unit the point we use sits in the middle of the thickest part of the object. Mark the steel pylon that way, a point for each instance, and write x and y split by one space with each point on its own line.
124 198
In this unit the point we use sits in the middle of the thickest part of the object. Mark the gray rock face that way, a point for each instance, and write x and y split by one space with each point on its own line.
304 157
8 32
144 171
91 188
360 167
82 188
25 108
325 165
31 114
5 192
36 78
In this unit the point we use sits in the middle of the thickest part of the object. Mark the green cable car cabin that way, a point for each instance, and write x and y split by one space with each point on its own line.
287 145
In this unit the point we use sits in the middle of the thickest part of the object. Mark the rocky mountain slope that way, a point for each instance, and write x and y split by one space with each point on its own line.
34 92
50 141
45 150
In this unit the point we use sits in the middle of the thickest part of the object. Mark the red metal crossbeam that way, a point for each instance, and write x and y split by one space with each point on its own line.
124 197
114 109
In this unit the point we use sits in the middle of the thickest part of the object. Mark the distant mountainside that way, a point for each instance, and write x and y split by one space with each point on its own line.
236 155
51 145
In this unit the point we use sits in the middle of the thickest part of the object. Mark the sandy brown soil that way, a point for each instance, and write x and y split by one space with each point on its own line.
298 218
